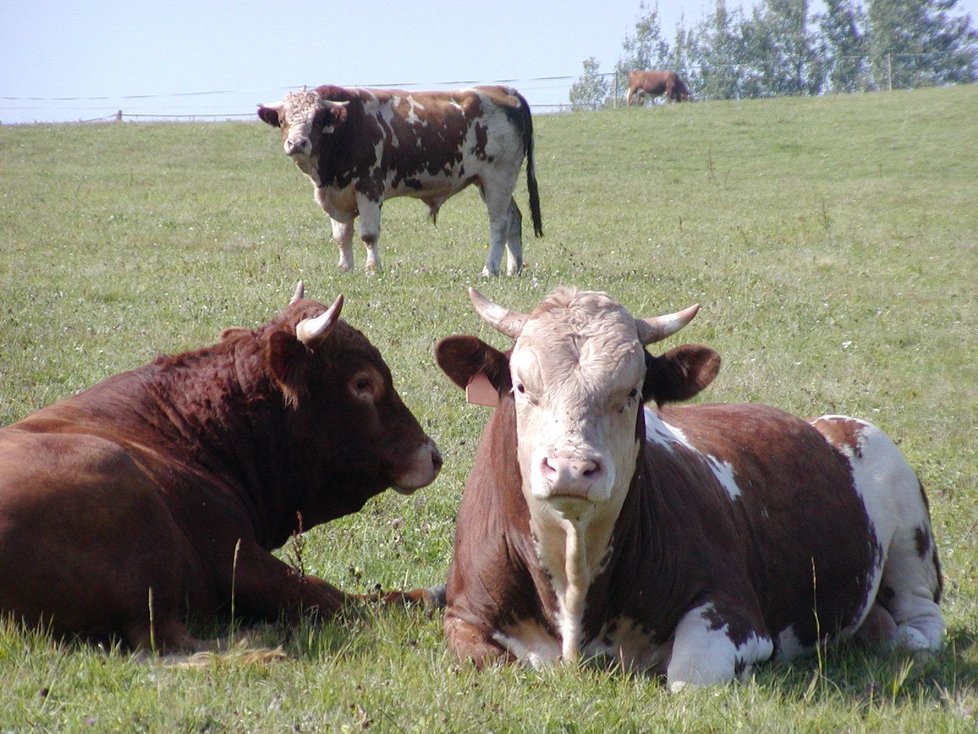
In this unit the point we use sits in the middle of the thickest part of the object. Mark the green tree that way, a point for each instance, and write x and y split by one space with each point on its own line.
920 42
590 91
844 45
684 58
779 52
717 52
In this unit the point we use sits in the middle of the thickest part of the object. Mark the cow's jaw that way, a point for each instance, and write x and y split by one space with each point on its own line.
577 400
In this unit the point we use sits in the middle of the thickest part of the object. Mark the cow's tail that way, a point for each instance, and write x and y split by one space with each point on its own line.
531 173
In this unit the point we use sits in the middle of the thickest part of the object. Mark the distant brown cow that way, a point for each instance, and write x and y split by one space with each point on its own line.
654 83
159 493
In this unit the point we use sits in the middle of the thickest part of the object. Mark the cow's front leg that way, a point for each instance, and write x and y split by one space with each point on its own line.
714 644
264 587
343 237
469 643
370 231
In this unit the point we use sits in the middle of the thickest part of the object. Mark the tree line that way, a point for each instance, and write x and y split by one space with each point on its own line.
780 48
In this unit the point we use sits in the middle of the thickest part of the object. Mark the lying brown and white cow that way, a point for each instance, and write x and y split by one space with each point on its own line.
159 493
688 541
363 146
654 83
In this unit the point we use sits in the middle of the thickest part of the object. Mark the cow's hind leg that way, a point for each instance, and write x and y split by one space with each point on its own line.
910 586
343 236
514 240
910 591
499 203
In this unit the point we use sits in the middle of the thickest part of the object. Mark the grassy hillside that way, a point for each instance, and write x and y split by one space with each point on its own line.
833 245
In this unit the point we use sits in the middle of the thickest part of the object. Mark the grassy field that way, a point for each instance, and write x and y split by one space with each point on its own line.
832 243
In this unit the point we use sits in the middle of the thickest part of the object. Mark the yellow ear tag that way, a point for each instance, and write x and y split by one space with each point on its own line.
480 391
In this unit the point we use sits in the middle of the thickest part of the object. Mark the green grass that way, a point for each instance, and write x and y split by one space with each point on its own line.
833 245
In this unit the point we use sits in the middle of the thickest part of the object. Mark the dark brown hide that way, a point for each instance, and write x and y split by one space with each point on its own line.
157 492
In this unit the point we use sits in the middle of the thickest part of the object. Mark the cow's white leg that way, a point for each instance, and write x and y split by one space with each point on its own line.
499 215
514 240
343 237
907 591
370 232
704 654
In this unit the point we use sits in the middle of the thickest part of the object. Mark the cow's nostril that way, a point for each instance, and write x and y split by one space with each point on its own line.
592 470
436 460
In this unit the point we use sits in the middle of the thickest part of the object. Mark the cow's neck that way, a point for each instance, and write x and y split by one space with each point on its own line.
239 444
573 553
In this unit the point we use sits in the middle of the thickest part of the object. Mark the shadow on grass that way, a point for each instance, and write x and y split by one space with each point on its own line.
855 672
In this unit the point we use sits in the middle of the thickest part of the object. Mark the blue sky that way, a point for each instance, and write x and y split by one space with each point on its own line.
67 60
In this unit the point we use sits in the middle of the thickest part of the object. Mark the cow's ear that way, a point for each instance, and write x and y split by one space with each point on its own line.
269 115
466 358
287 362
333 115
679 374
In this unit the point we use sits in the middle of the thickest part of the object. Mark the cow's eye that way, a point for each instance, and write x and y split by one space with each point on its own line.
520 388
629 401
362 386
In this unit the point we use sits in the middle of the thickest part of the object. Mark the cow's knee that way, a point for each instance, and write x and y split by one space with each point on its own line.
704 654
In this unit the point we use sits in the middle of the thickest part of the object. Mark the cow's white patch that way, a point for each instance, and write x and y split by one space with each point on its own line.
660 433
724 472
704 655
530 642
573 555
789 646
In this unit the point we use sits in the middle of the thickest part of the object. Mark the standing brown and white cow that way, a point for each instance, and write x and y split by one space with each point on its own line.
360 147
160 493
654 83
689 541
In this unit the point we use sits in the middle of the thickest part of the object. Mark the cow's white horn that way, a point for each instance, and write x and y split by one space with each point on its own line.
300 292
658 328
500 318
311 332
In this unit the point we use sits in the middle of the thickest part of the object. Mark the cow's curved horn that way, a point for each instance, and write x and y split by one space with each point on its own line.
311 332
500 318
657 329
300 292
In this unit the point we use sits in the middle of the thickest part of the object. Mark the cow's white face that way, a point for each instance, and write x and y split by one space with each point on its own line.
303 117
577 370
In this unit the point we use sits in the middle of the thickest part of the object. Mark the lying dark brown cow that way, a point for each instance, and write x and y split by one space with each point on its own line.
363 146
689 541
642 84
159 493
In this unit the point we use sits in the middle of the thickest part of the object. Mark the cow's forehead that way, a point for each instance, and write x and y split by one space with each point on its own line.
297 106
583 332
